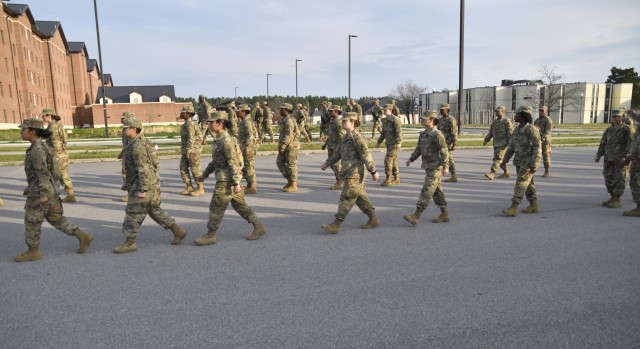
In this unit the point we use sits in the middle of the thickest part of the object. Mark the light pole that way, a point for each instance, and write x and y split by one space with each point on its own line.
104 98
461 66
350 36
235 92
268 87
297 60
581 105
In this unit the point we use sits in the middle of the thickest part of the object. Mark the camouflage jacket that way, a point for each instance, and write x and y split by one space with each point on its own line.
191 137
615 143
391 131
500 131
525 144
634 148
41 170
227 160
629 121
376 113
267 116
395 111
203 111
433 149
247 134
325 118
289 134
141 166
355 156
358 109
58 139
335 133
257 115
544 125
234 121
449 127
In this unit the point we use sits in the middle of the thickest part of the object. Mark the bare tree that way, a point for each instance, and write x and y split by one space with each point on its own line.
556 95
406 94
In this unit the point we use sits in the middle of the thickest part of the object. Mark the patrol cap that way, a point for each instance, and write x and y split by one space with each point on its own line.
287 106
35 123
299 105
377 101
265 103
353 116
544 107
336 107
188 109
230 103
388 106
500 108
244 107
445 106
48 111
132 122
524 108
218 115
257 104
429 114
617 112
127 114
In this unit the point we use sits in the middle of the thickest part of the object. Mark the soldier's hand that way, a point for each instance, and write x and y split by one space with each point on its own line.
324 146
625 161
445 170
119 156
376 176
377 145
453 147
484 143
408 163
200 179
597 159
25 192
398 146
532 170
323 167
237 188
44 200
141 194
124 187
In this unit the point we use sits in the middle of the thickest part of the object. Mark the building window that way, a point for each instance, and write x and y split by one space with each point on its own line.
135 98
2 35
165 99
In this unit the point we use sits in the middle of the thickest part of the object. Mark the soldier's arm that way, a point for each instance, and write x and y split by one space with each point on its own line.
191 141
363 151
603 144
398 125
43 176
335 157
489 135
627 148
509 153
536 154
381 137
444 151
417 151
454 131
141 164
232 160
287 134
63 137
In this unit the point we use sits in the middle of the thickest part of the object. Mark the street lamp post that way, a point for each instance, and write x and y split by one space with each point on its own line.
350 36
268 87
235 92
581 105
104 98
297 60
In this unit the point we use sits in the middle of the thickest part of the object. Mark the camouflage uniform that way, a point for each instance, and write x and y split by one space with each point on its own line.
203 111
288 146
58 142
325 119
525 144
335 133
545 124
449 128
301 118
355 156
432 147
226 165
191 147
142 175
376 113
614 146
500 130
395 111
634 180
257 115
248 139
234 121
391 134
267 122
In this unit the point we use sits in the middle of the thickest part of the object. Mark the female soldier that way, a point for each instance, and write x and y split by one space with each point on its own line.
43 200
525 144
227 166
354 153
58 143
435 155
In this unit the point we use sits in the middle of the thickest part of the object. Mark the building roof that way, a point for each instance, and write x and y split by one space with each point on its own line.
120 94
77 47
107 79
92 64
16 9
47 29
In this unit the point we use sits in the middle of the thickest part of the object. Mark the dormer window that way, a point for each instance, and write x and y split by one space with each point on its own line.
165 99
135 98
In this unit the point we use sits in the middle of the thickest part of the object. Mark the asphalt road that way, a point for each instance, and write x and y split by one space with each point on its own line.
567 277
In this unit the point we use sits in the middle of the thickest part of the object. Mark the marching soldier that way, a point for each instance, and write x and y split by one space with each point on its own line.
325 119
355 107
376 113
58 142
43 200
288 146
614 146
231 106
143 185
449 127
301 119
125 141
257 116
267 122
191 147
634 171
248 139
354 154
335 132
204 109
500 130
391 134
545 124
395 111
226 165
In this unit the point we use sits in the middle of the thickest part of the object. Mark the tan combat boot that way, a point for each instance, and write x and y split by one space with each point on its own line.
533 207
292 188
84 239
129 245
287 186
1 202
615 202
251 188
206 239
490 175
258 231
505 174
188 190
546 173
452 179
443 217
199 191
632 213
32 254
178 234
338 185
413 218
70 197
511 211
396 179
606 202
371 223
333 227
386 183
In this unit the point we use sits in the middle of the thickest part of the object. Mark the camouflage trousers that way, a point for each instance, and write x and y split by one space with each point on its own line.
546 154
205 129
451 163
337 166
287 162
63 165
376 127
391 161
615 176
249 169
266 129
524 186
259 129
353 192
498 155
432 188
35 214
190 167
137 210
634 181
222 195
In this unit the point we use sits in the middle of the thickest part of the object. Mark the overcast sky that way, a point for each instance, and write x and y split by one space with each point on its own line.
213 46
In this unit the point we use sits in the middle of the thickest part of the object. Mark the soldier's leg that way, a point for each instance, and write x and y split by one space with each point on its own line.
239 204
451 163
280 162
184 170
498 155
522 184
531 191
348 197
335 166
250 165
373 129
546 154
431 183
362 201
270 131
33 217
219 202
63 164
194 164
619 178
388 160
395 170
55 217
634 181
438 194
135 213
156 212
292 163
608 173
